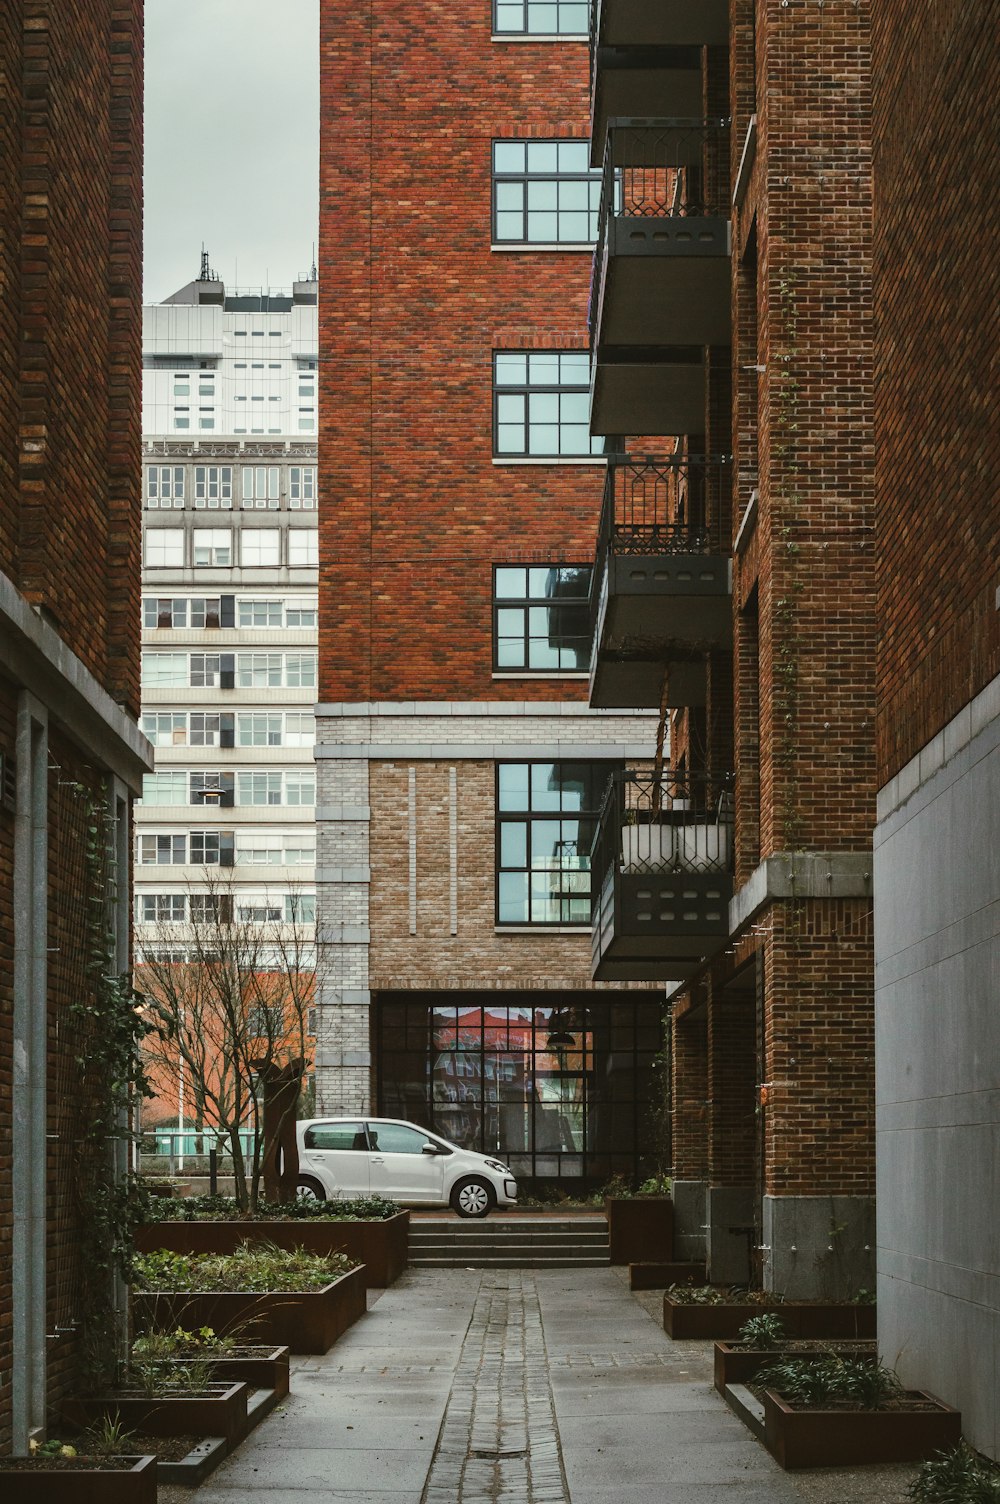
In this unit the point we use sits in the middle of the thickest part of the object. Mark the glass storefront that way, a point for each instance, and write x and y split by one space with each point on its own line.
560 1090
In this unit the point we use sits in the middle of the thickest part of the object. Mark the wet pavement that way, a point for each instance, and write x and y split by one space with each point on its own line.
526 1386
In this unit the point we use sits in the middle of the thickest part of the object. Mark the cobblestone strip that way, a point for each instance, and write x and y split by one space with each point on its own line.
499 1440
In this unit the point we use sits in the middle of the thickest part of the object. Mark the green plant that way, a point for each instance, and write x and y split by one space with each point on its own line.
656 1185
956 1477
762 1331
181 1343
228 1209
868 1385
865 1298
709 1295
107 1437
254 1267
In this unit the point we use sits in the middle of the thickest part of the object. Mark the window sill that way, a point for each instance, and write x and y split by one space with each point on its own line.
523 246
554 459
528 675
516 36
541 929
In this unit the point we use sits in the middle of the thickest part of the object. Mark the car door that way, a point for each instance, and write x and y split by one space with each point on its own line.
399 1167
338 1152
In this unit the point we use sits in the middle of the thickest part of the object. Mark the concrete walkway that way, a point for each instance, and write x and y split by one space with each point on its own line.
521 1386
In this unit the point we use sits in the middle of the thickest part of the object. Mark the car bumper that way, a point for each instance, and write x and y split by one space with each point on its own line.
508 1197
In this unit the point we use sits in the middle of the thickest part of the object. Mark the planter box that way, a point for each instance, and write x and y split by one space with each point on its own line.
308 1321
263 1371
640 1228
133 1482
223 1414
380 1246
738 1365
658 1276
834 1319
842 1438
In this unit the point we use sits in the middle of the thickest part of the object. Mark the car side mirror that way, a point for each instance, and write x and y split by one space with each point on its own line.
434 1149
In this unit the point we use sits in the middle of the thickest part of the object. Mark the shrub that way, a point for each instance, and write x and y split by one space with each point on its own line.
806 1383
709 1295
956 1477
227 1209
255 1267
762 1331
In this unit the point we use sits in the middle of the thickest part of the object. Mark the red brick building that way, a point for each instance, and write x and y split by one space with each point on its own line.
937 878
70 754
460 768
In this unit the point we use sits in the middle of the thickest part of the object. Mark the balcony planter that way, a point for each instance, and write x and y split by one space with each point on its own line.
118 1480
220 1411
640 1228
308 1321
833 1319
381 1246
737 1364
917 1426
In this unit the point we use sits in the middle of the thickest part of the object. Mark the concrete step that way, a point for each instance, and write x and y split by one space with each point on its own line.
513 1242
509 1261
477 1234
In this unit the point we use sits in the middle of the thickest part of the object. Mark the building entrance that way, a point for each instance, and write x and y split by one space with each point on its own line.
558 1086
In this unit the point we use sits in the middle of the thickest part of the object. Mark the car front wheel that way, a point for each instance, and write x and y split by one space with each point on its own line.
473 1198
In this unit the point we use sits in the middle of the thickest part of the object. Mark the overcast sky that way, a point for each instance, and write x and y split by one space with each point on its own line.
232 140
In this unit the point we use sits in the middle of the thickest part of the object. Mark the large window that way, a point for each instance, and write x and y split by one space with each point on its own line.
164 486
303 548
165 788
302 482
165 670
545 825
260 486
541 618
161 850
541 405
544 193
260 547
541 18
213 547
164 547
213 486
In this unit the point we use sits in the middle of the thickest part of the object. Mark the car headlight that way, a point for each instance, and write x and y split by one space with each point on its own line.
495 1164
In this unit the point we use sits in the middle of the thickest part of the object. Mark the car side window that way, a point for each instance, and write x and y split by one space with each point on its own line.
394 1138
336 1136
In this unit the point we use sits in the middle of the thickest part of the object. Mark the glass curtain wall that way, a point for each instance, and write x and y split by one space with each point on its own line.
561 1090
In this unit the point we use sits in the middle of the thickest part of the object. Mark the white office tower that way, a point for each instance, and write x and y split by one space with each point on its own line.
229 611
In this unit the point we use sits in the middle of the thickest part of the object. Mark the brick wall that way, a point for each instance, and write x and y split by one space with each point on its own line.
70 254
412 304
433 957
8 724
937 287
688 1094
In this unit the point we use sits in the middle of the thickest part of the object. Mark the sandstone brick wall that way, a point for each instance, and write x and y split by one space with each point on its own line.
70 254
937 290
451 947
413 512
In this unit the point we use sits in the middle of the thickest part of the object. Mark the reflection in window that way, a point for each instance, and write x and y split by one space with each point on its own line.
546 813
544 193
541 618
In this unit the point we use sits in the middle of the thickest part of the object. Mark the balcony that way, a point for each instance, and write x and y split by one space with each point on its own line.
661 279
661 591
658 23
662 875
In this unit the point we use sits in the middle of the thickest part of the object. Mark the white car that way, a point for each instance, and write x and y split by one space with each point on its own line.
340 1158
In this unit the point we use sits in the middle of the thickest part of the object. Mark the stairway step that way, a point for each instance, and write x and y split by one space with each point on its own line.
531 1261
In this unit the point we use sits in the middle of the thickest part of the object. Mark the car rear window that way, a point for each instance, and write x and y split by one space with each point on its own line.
336 1136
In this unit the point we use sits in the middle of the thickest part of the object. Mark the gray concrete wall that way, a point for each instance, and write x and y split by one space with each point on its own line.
937 946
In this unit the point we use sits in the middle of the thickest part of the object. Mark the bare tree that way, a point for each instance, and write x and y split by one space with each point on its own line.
227 996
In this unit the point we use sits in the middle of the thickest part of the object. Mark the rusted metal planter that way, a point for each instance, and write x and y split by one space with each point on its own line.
131 1481
640 1228
738 1365
657 1276
832 1319
307 1321
380 1245
260 1371
798 1438
223 1413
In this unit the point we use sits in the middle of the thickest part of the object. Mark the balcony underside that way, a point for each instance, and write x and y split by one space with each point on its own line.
679 600
620 682
626 87
634 392
641 23
659 926
664 281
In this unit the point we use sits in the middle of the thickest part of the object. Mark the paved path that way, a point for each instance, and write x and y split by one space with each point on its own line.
516 1387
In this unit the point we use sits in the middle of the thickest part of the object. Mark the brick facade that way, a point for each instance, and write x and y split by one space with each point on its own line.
70 260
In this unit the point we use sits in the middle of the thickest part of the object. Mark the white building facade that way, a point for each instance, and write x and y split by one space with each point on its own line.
229 590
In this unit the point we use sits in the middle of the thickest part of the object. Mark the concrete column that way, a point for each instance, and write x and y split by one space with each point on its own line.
343 1045
28 1240
689 1063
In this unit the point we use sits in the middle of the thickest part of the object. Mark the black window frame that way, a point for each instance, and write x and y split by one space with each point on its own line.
527 603
541 388
526 6
600 770
591 176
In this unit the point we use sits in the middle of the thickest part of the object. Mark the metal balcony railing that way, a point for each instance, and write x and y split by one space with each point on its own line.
662 822
661 169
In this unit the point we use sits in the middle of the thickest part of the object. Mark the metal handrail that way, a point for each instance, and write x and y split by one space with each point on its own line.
661 822
660 168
